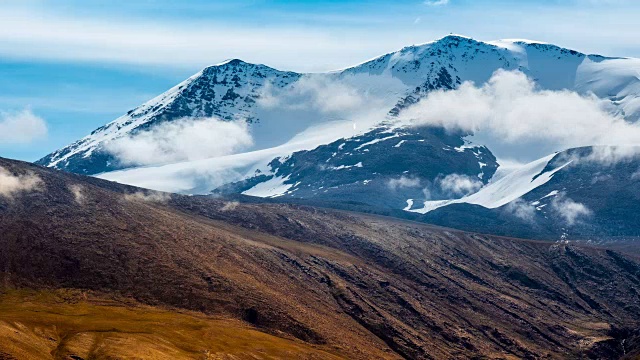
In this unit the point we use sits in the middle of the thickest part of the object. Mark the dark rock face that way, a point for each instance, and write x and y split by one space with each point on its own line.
372 287
380 169
622 344
443 81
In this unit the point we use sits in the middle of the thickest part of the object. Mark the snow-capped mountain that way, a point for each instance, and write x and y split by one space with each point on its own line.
336 139
227 91
232 90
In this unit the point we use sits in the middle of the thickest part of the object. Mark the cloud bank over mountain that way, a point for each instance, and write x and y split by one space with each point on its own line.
510 108
181 140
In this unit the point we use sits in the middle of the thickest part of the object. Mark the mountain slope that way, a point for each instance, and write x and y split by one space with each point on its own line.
359 169
68 324
357 286
227 91
589 193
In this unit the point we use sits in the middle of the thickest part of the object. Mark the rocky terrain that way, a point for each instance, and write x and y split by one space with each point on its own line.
376 171
349 285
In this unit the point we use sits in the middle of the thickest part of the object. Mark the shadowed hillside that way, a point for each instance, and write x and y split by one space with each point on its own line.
355 286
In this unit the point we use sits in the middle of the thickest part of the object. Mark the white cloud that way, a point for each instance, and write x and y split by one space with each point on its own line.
149 196
21 127
436 2
636 175
609 155
403 182
78 193
511 109
11 184
570 210
32 32
600 178
406 182
207 174
426 192
313 92
460 185
522 210
35 34
230 206
601 155
299 110
181 140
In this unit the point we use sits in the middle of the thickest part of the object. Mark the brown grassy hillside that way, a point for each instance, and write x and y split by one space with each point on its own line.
357 286
71 325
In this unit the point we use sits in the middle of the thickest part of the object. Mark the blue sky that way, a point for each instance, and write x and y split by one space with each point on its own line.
78 64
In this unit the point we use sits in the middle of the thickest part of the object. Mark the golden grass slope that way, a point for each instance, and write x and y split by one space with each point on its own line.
68 324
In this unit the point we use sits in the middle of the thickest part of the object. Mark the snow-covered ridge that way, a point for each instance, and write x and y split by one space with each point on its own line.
123 124
226 90
505 190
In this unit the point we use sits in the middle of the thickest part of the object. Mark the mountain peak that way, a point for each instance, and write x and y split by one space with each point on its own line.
448 39
455 37
238 65
234 62
229 62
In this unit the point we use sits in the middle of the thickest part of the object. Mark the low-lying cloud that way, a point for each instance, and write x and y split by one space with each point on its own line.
410 182
21 127
11 185
403 182
229 206
78 194
318 106
313 93
459 185
181 140
512 109
149 196
569 210
522 210
610 155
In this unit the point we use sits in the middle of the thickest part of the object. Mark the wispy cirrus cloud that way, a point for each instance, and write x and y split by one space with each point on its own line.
36 34
331 38
436 2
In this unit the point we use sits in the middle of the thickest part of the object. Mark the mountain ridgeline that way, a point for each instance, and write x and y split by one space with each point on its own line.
230 90
420 173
